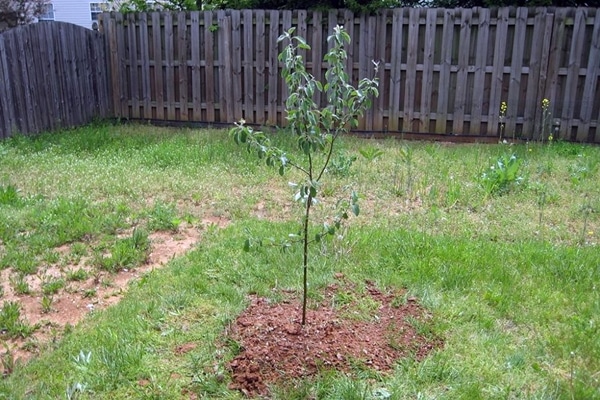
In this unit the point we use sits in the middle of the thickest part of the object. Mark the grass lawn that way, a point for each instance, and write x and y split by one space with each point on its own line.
502 251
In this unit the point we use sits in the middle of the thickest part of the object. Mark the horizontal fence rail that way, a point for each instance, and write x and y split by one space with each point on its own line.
52 75
442 71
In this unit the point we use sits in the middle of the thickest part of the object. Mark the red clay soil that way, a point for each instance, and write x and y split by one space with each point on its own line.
71 304
276 348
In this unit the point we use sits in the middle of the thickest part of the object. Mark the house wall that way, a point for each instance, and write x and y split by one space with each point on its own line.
74 11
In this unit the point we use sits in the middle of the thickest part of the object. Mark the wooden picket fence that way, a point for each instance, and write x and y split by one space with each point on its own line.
442 71
52 76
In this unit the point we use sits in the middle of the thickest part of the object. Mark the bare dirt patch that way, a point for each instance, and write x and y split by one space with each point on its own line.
77 298
277 349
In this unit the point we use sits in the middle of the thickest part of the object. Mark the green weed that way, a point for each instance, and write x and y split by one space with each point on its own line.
503 175
9 195
19 284
11 325
125 253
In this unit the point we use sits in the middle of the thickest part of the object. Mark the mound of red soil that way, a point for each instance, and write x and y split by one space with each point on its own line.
275 347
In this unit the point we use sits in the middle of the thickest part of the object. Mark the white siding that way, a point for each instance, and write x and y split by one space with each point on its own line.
74 11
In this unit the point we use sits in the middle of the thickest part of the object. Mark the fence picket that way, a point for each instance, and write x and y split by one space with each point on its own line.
591 80
483 27
157 52
444 81
516 71
395 70
209 64
260 66
460 93
273 68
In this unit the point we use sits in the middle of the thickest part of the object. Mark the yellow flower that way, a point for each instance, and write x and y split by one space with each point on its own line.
545 104
503 107
550 138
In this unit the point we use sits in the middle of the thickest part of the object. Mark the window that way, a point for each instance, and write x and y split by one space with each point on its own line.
48 13
97 8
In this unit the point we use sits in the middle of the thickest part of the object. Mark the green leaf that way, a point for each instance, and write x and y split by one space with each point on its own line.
355 209
313 192
247 245
281 170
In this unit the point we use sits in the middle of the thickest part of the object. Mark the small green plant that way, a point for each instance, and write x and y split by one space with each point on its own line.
52 286
502 175
341 164
46 304
21 261
126 253
19 284
11 325
77 275
404 181
9 195
51 257
316 129
370 153
163 217
8 361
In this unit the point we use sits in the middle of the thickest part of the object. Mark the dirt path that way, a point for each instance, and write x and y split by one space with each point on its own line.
78 298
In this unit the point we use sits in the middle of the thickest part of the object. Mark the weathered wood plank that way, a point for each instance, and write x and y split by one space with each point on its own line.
516 71
460 94
7 122
196 66
532 101
395 70
286 19
169 67
317 51
571 87
236 64
480 70
209 62
27 108
427 78
444 81
411 70
146 92
133 66
182 44
229 108
554 59
541 84
365 53
260 69
248 66
301 29
159 86
497 72
273 69
379 104
592 72
34 71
